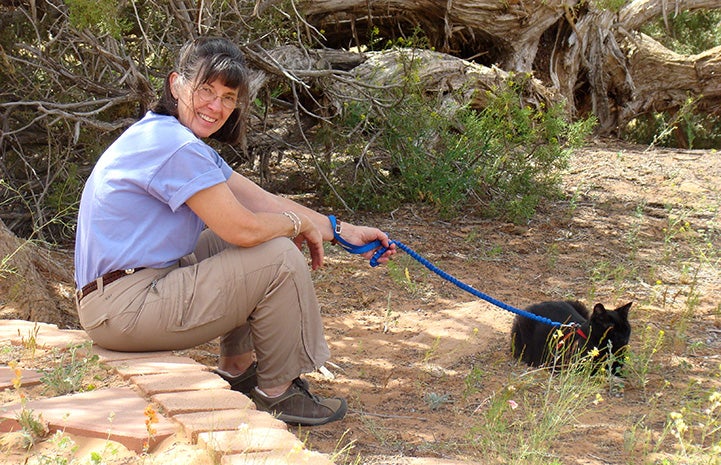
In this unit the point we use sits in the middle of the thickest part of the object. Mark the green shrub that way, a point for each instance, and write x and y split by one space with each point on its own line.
505 158
100 16
687 32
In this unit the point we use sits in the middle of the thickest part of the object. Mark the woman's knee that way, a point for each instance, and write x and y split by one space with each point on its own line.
288 252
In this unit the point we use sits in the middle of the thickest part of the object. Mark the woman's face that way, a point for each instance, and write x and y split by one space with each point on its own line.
203 108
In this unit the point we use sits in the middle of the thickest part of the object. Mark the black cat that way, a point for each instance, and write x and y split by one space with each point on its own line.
602 329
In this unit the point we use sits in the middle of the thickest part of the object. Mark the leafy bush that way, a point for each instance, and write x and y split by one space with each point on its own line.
505 158
687 32
686 128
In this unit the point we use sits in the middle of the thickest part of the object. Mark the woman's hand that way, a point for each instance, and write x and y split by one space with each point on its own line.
312 236
360 235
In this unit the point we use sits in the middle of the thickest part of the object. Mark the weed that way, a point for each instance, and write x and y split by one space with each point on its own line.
32 426
638 361
632 234
31 342
343 449
62 451
431 351
552 256
436 401
400 274
71 369
473 381
521 420
696 428
151 418
389 319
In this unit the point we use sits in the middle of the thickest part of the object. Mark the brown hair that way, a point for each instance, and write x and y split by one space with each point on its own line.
202 61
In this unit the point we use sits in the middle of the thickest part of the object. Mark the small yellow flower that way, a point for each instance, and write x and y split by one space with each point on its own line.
18 374
594 352
297 449
151 417
598 399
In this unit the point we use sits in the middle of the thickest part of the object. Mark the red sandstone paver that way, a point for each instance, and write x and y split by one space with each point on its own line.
18 332
62 339
246 440
106 356
156 365
11 329
178 382
295 457
116 414
27 377
200 403
208 400
225 420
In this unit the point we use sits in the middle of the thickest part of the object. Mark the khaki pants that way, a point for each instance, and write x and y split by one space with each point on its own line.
258 298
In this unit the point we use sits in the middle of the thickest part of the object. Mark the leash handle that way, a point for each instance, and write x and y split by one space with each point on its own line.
379 253
353 248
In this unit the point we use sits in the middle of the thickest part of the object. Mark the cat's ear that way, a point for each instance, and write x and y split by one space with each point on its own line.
623 311
598 310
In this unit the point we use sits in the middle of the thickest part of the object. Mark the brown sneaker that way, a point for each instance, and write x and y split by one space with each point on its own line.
244 382
297 406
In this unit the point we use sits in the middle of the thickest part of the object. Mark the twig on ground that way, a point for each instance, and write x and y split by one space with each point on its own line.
384 415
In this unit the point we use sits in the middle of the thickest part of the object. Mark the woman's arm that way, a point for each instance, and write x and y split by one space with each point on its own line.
257 200
234 223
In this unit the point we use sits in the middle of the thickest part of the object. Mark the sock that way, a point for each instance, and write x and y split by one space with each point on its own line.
261 392
226 374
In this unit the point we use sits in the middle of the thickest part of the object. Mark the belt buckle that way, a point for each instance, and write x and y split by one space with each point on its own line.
130 271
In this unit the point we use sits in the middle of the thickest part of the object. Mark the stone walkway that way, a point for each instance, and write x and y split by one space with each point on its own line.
189 399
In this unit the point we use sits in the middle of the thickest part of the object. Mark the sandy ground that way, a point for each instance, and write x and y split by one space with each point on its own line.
420 361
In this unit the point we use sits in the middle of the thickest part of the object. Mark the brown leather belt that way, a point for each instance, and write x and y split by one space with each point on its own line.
107 278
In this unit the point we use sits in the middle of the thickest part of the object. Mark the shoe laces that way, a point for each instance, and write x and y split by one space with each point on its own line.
305 388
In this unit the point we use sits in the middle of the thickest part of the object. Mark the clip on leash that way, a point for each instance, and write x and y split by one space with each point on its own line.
360 249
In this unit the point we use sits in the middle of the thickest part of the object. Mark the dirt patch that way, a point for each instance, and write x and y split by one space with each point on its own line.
421 361
418 359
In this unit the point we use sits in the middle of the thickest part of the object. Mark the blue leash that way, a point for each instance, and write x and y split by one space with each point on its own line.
359 249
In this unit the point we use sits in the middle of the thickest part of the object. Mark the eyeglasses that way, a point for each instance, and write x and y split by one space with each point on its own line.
206 95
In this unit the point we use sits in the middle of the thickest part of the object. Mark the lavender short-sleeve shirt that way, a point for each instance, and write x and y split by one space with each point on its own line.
132 210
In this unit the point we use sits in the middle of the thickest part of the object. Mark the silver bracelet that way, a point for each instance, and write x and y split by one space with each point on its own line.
296 222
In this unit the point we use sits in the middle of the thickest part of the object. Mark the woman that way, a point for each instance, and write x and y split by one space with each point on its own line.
174 248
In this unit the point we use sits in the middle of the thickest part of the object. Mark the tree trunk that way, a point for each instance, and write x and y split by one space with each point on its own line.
664 80
35 282
593 58
443 75
505 33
